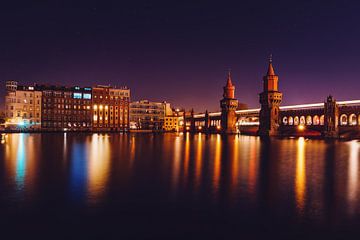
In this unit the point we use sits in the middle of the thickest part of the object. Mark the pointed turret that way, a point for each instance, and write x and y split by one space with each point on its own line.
270 79
270 71
229 89
229 82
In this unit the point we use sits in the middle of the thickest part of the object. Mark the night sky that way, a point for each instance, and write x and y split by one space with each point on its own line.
180 51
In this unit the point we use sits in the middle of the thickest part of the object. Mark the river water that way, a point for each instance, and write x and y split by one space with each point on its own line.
177 186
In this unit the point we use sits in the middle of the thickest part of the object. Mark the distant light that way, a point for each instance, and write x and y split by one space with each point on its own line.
187 128
301 127
200 127
218 127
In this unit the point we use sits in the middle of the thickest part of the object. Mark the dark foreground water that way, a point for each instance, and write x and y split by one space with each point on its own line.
176 186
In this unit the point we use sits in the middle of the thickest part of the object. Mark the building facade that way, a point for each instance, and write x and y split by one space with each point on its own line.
110 108
22 106
149 115
172 122
66 109
59 108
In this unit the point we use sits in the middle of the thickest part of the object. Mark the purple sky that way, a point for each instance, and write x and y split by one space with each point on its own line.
180 52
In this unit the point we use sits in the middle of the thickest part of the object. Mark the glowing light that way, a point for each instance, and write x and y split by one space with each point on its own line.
298 106
200 127
101 107
187 128
218 127
301 127
95 107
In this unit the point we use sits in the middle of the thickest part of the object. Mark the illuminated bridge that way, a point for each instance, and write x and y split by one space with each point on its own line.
303 119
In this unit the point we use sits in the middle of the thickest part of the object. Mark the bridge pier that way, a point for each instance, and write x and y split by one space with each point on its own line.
331 115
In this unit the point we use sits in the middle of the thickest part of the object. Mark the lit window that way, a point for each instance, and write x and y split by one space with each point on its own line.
77 95
87 96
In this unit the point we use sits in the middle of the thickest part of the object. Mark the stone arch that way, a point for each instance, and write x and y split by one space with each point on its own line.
352 120
343 120
316 120
308 120
322 120
291 120
296 120
285 120
302 120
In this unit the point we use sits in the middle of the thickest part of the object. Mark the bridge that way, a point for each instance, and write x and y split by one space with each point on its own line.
295 119
328 119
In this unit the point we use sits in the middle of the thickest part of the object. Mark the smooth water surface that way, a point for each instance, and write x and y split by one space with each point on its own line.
145 186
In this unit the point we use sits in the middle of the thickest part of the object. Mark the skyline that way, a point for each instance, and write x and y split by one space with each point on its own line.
180 52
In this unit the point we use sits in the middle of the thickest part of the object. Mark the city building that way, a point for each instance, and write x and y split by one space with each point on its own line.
145 114
110 108
66 108
172 122
22 106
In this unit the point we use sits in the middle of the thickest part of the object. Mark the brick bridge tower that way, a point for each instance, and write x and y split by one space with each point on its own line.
228 107
270 100
331 118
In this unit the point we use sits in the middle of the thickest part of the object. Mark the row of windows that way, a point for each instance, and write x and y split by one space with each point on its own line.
68 112
62 100
96 118
66 118
66 124
62 106
19 100
25 108
24 115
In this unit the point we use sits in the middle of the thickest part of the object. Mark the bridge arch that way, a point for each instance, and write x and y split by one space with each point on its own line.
308 120
316 120
343 120
285 120
296 120
302 120
322 120
291 120
352 120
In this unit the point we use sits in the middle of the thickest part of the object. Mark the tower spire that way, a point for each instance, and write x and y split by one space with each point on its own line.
270 71
229 82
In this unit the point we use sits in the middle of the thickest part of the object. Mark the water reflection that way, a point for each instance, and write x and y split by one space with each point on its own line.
98 166
353 176
176 163
90 166
217 165
20 162
237 174
198 160
300 177
186 157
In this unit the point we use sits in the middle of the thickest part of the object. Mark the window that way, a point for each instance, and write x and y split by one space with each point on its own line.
87 96
77 95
